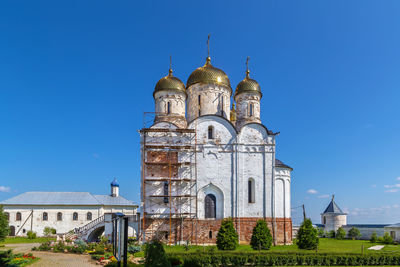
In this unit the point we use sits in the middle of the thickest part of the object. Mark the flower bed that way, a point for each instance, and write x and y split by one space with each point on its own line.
7 258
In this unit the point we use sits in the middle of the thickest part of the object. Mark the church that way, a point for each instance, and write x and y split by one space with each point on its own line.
204 159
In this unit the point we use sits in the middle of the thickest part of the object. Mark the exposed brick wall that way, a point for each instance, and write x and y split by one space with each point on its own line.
205 231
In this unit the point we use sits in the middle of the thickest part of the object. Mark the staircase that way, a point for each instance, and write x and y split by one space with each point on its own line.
84 230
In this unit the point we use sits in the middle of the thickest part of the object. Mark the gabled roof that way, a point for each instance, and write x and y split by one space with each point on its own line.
333 208
66 198
393 225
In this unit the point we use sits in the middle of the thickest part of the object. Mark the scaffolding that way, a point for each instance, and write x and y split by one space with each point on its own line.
168 176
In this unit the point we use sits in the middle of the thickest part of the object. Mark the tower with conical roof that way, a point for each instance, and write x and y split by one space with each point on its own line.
170 100
333 217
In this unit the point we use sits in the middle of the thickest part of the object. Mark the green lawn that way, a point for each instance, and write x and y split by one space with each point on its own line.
327 245
16 240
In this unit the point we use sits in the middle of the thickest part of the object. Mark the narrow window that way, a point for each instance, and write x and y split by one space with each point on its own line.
210 206
169 108
59 216
251 112
166 235
251 190
222 105
324 220
75 216
23 231
89 216
18 217
210 234
7 215
45 216
210 132
199 98
166 193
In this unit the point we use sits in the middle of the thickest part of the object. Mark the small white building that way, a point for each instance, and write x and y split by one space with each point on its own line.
63 211
333 217
394 231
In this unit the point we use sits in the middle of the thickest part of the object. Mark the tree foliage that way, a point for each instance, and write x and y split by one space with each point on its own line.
155 255
354 233
4 229
387 239
340 233
227 237
307 236
374 237
331 234
261 238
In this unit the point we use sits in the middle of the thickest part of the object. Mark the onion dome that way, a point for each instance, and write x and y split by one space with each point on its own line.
115 183
248 85
169 83
208 75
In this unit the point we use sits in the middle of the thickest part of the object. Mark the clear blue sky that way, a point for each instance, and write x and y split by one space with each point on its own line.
75 77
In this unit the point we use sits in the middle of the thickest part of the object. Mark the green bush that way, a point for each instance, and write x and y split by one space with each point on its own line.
227 237
321 232
133 249
331 234
282 259
47 231
31 235
387 239
175 260
340 233
307 237
5 257
374 237
261 237
354 233
155 255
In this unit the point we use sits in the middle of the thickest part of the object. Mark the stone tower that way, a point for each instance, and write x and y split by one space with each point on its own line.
333 217
170 101
247 96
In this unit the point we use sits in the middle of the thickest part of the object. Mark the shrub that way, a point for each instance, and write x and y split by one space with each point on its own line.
43 247
307 236
175 260
374 237
387 239
47 231
155 255
261 238
4 229
227 237
331 234
354 233
340 233
321 232
133 249
31 235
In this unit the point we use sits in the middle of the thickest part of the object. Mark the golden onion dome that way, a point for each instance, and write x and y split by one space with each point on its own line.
248 85
208 75
169 83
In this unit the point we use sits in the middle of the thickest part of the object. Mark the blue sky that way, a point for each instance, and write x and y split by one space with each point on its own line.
76 77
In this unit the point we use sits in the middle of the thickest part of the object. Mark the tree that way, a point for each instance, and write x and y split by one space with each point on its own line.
374 237
227 237
331 234
155 255
387 239
321 232
307 236
4 229
354 233
340 233
47 231
261 238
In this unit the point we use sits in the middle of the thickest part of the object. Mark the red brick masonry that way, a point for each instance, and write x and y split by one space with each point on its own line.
205 231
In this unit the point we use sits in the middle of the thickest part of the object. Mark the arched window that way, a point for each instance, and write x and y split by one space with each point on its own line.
210 234
199 100
7 215
89 216
75 216
210 132
222 105
251 110
324 220
210 206
251 190
18 217
45 216
168 107
166 192
59 216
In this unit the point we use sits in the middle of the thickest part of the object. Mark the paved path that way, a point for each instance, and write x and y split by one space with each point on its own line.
53 259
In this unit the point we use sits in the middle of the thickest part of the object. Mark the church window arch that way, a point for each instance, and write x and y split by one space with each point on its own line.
251 110
45 216
89 216
168 107
210 206
210 132
59 216
18 216
251 191
199 104
75 216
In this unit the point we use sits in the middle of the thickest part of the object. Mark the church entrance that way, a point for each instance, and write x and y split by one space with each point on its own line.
210 206
12 231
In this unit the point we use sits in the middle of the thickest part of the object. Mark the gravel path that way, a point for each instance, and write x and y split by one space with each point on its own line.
53 259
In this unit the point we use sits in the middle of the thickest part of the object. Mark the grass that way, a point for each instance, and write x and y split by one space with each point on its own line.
18 240
326 245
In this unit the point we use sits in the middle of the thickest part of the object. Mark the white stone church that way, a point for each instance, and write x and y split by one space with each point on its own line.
203 160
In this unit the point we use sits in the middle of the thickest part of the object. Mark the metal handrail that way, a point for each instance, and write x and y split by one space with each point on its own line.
89 225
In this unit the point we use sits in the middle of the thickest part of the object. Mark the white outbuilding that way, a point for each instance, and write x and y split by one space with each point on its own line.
333 217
